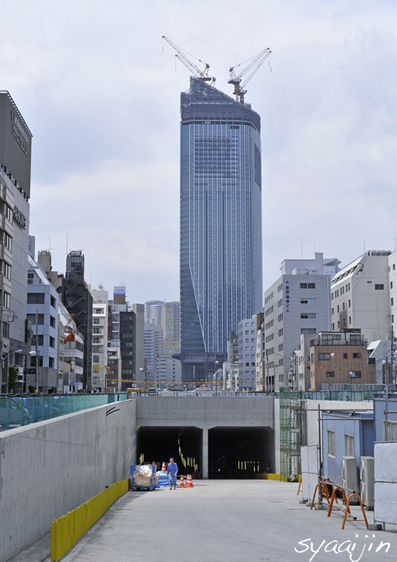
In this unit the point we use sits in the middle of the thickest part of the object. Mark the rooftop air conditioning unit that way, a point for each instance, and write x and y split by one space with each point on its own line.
367 479
350 476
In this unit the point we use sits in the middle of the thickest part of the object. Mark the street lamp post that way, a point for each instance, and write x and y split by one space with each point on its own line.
36 354
216 377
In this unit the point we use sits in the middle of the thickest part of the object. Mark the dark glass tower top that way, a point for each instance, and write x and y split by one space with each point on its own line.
221 229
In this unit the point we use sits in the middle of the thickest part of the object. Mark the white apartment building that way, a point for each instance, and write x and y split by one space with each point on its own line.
99 337
300 372
392 270
42 313
154 351
297 303
360 296
153 311
247 353
260 353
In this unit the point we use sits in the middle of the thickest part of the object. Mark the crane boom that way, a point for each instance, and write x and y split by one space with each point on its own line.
236 79
200 74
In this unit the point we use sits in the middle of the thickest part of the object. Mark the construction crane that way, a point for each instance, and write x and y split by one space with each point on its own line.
200 74
70 330
253 65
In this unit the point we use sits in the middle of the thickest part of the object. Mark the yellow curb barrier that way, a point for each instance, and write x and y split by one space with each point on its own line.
68 529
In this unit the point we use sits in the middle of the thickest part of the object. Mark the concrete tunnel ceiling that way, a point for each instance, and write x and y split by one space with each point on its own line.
233 452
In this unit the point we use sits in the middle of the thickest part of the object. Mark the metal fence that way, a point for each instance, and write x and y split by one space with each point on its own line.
22 410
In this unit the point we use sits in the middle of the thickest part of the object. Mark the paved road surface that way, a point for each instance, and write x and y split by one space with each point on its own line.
226 521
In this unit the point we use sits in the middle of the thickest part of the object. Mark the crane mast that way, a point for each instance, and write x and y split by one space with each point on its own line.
236 79
194 69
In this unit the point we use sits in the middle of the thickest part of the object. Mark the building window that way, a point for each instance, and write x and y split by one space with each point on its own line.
349 445
308 315
324 356
330 443
307 285
356 355
392 301
32 319
355 374
52 321
95 358
350 303
345 356
391 284
52 342
308 301
308 331
355 339
379 286
330 373
35 298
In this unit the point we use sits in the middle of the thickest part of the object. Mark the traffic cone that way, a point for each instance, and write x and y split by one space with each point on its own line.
181 483
189 481
163 467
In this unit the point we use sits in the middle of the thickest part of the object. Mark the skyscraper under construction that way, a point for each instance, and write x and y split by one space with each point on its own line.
221 224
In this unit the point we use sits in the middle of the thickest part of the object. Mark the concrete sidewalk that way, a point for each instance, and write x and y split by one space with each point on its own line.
226 520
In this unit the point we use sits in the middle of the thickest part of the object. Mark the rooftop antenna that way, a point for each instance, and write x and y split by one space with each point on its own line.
194 69
253 65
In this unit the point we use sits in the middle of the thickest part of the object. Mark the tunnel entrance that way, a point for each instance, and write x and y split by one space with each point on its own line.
240 452
158 444
233 452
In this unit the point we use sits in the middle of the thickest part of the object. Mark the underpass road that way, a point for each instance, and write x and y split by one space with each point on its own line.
227 520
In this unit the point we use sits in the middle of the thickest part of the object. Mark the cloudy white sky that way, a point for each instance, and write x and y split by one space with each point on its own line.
100 93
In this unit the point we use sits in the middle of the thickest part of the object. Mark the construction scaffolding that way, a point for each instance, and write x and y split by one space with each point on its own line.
291 406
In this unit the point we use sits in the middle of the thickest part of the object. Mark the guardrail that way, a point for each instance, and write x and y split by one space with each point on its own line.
19 410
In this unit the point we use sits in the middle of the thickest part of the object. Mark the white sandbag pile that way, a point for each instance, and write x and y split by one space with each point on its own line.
143 475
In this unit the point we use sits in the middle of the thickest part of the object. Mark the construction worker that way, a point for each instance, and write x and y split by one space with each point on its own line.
172 471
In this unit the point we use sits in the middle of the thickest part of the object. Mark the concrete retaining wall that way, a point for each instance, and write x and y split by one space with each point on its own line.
205 412
51 467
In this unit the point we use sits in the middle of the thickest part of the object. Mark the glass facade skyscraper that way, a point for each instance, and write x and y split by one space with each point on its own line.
221 224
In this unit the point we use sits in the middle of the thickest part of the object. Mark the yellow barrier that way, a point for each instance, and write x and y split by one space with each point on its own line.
279 477
69 528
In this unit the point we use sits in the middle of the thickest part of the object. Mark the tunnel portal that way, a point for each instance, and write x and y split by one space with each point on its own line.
158 444
233 452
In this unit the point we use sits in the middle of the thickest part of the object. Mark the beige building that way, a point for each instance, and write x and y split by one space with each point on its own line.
338 359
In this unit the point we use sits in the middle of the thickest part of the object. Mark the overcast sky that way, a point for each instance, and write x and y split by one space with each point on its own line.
100 92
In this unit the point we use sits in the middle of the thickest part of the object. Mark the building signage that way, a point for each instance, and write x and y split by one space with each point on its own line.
287 296
19 218
19 133
120 290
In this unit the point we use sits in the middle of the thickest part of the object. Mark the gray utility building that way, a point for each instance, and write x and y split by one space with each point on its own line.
221 224
297 303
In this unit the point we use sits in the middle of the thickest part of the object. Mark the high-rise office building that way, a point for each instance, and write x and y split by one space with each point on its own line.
78 301
220 249
15 164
